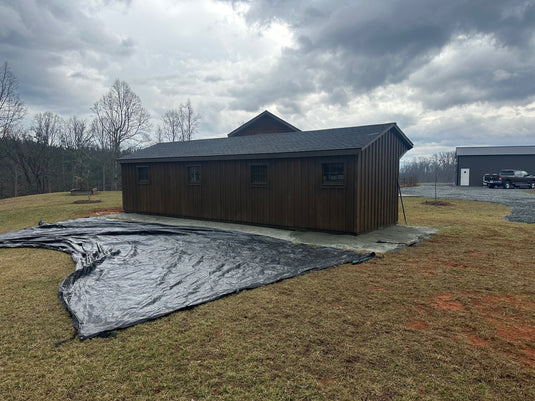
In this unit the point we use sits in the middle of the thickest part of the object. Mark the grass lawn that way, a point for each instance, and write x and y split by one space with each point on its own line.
450 319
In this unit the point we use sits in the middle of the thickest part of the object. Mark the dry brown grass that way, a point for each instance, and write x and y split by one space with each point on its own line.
452 318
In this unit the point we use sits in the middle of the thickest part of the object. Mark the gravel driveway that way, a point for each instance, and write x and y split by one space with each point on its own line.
522 202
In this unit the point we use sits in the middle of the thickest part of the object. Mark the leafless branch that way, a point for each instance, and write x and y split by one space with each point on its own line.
12 109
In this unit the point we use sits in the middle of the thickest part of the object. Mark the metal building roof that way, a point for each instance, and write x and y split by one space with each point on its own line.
267 145
494 150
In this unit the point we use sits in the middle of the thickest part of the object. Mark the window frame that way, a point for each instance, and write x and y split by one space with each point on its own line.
145 180
258 184
189 176
336 183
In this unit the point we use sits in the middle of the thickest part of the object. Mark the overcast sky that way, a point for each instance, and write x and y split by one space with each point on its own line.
450 73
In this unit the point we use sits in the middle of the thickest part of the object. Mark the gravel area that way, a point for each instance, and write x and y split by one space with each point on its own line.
521 202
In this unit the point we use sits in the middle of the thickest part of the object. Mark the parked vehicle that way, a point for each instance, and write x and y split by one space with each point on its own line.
509 178
492 180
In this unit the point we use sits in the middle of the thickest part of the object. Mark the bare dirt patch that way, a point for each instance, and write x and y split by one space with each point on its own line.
444 301
515 332
104 212
327 381
477 341
417 325
522 303
507 315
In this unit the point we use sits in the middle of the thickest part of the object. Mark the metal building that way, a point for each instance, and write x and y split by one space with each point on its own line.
475 161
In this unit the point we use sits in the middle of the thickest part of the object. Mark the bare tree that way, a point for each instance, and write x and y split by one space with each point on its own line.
119 117
172 126
47 133
180 124
99 136
79 139
12 111
105 155
11 107
160 136
48 128
190 121
439 167
77 134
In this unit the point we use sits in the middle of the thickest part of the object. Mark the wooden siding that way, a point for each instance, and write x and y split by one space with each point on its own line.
263 125
377 183
294 196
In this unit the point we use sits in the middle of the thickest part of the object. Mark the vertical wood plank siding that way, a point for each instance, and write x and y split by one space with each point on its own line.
294 196
377 183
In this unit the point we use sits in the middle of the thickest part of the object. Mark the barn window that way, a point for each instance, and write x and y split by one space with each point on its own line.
259 175
333 174
142 174
194 175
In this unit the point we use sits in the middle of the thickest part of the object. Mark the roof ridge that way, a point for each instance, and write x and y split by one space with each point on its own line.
346 139
256 118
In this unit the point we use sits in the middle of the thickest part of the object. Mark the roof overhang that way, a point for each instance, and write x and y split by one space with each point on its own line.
397 131
494 150
256 156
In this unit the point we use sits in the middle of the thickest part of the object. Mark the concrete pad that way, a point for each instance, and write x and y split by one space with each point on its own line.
388 239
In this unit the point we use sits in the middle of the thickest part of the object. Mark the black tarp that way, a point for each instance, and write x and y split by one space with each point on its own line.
129 272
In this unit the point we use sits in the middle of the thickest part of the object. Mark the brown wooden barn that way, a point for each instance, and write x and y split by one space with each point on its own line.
343 179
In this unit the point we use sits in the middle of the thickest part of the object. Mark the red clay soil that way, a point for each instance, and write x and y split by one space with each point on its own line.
104 212
444 301
523 303
476 340
515 332
417 325
327 381
511 327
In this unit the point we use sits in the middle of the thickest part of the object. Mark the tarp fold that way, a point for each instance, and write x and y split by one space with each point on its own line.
129 272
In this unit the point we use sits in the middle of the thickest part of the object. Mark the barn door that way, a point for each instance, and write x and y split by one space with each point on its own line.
465 177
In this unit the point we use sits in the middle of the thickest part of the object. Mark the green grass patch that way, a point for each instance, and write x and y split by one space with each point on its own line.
27 211
450 319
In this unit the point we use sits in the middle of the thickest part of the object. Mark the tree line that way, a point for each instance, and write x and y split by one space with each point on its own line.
440 167
58 154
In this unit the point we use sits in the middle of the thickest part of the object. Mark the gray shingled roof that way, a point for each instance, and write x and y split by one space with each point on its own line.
494 150
291 128
351 138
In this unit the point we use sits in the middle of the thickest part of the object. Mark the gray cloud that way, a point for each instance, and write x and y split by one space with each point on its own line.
355 47
49 43
445 71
